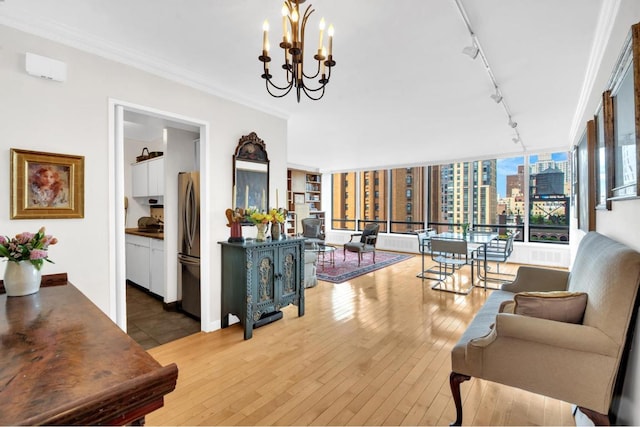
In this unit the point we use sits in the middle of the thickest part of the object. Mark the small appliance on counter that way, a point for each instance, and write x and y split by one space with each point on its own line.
189 241
149 223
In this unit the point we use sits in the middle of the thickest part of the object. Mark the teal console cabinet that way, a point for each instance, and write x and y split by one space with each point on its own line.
259 278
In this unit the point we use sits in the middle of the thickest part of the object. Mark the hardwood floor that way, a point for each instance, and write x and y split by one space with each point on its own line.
371 351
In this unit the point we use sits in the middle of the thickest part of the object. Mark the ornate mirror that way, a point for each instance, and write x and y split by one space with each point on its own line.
251 173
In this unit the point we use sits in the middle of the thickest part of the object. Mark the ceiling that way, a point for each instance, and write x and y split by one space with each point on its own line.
402 93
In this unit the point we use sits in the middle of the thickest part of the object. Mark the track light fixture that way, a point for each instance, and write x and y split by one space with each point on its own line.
472 51
293 29
497 97
515 140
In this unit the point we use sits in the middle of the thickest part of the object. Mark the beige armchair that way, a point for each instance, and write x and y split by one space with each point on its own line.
574 362
367 242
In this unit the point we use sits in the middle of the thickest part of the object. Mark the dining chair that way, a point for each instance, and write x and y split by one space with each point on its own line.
497 252
424 248
453 254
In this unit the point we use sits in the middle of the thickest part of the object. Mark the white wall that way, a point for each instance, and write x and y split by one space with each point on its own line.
73 117
621 223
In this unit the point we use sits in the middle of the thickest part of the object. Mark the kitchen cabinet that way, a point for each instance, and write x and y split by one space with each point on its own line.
259 278
147 178
137 255
145 263
156 267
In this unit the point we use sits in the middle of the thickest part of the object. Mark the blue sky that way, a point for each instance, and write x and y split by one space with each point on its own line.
510 167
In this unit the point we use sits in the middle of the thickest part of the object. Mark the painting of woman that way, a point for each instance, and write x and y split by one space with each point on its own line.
49 186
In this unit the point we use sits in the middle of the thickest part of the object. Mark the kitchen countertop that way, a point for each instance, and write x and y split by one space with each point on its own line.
153 234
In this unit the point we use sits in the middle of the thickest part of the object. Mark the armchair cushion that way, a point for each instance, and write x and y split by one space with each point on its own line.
561 306
364 238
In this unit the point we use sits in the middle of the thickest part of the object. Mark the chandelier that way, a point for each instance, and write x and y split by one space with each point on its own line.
293 29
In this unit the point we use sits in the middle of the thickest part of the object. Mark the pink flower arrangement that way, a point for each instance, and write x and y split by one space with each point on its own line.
27 247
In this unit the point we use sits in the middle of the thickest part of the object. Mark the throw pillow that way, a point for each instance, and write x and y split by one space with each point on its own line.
507 307
561 306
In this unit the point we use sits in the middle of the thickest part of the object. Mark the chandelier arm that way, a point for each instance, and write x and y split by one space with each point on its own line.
321 87
315 75
275 86
286 89
304 88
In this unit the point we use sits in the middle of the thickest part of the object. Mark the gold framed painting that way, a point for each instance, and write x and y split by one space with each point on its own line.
46 185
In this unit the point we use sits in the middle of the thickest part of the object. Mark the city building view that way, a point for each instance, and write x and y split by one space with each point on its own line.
529 198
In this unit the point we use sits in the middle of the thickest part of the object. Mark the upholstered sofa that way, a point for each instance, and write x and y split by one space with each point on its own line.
310 267
574 362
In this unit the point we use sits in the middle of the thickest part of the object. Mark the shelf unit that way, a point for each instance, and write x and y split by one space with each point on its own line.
313 191
308 184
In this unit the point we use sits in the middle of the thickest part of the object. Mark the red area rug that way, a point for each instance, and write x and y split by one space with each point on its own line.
348 269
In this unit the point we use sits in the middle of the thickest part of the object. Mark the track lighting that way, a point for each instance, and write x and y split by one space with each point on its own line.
497 97
515 140
512 123
471 51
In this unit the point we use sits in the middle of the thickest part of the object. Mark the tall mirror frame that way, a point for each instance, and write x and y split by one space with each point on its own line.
251 174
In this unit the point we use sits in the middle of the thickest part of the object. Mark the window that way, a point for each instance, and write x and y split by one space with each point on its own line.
528 195
376 198
549 189
510 206
406 199
343 208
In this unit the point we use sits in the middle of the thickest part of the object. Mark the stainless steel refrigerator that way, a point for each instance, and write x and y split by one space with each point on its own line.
189 241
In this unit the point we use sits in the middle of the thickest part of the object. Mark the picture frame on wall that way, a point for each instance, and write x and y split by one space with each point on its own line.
46 185
298 198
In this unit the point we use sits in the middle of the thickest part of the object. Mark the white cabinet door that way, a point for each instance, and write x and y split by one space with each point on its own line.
139 180
156 177
156 267
137 256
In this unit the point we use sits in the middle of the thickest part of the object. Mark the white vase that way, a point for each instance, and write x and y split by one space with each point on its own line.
21 278
262 229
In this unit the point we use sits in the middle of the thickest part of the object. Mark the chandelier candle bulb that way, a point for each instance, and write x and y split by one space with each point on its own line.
265 35
285 12
331 31
322 25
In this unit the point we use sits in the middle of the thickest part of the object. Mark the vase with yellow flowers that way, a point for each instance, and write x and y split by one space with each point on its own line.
277 219
261 221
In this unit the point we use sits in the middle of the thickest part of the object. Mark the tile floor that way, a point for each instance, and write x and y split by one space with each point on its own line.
150 325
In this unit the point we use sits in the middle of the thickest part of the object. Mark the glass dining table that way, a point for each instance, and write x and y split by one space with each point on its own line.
475 240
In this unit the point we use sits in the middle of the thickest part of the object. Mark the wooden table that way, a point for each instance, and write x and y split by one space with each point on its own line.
63 361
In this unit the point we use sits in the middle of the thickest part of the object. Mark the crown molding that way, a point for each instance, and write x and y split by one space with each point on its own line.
59 33
604 27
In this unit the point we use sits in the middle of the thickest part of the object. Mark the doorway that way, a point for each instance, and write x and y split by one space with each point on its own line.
131 123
